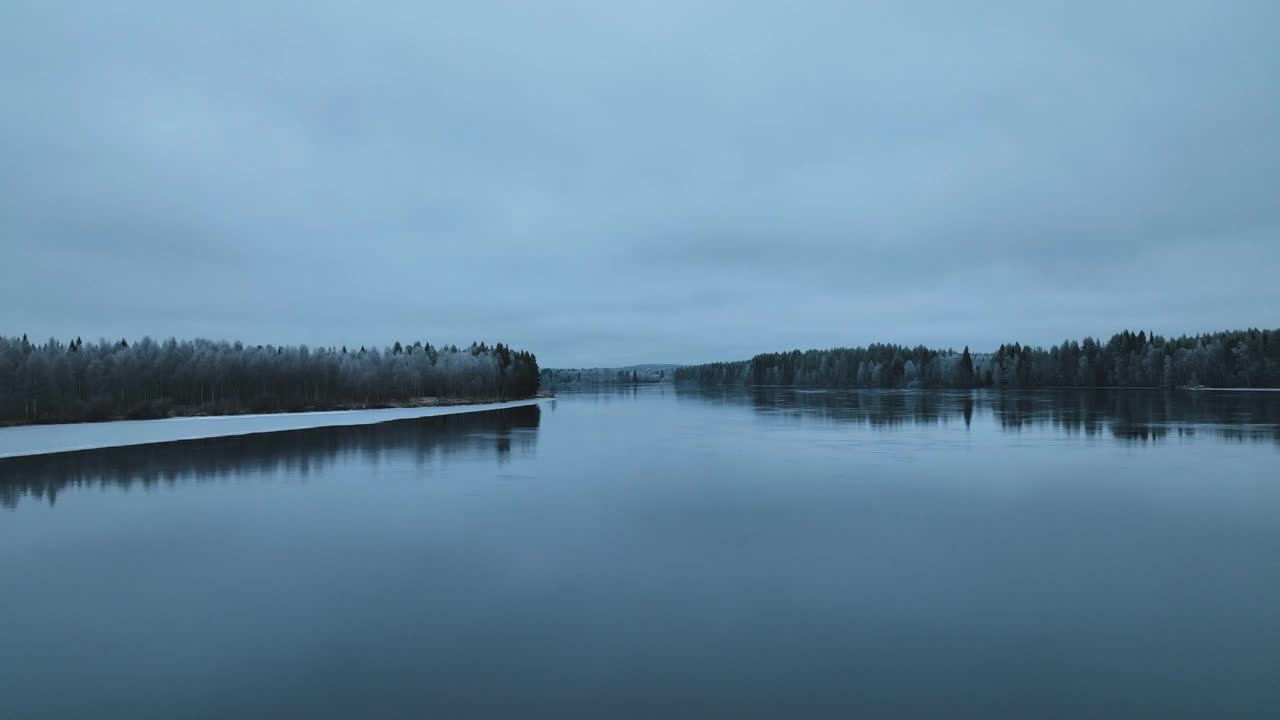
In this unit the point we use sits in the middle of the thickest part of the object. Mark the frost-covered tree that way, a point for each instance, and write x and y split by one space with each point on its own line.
1245 358
57 382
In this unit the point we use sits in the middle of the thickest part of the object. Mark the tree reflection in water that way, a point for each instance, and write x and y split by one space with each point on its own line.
1129 415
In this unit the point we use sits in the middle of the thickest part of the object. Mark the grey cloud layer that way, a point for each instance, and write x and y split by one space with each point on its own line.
610 183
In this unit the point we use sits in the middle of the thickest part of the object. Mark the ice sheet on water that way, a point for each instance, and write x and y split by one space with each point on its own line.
42 439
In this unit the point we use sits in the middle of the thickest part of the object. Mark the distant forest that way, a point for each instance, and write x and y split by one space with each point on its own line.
634 375
1244 358
77 381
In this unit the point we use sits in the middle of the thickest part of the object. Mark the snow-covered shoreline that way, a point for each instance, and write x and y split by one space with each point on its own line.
45 439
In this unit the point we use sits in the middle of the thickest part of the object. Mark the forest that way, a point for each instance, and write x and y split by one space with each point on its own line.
76 381
633 375
1241 358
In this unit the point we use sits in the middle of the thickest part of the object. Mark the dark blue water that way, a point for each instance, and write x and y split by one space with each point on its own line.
664 553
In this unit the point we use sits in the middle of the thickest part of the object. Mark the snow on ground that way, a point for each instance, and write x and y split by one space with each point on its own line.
42 439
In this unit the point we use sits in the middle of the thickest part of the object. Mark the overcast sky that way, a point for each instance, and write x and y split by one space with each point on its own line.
609 183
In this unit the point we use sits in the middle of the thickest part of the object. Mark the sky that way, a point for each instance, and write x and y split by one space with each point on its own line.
631 182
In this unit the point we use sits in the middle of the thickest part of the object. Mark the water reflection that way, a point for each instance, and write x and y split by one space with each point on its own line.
1128 415
296 453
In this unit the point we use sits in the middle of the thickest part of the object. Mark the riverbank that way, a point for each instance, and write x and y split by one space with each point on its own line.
24 440
171 412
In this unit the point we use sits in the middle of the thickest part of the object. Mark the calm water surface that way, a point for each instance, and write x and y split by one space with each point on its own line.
664 553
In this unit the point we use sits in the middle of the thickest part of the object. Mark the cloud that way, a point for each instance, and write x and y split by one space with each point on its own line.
630 182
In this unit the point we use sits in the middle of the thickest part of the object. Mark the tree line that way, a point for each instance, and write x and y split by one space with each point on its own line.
76 381
562 377
1239 358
